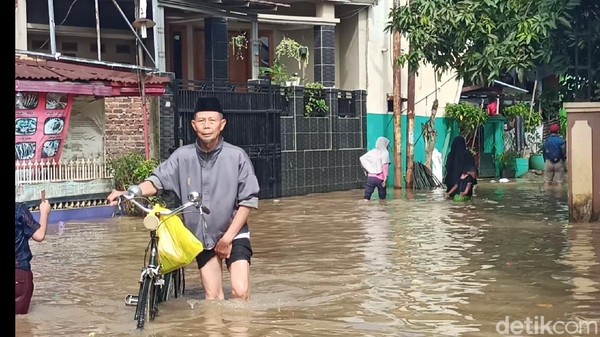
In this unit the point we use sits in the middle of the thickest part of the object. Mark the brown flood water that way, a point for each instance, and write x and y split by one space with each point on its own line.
334 265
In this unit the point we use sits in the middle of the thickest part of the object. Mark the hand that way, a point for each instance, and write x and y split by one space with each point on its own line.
447 195
113 197
383 183
45 207
223 247
462 194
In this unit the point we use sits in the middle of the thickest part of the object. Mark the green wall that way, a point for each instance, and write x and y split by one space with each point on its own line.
383 125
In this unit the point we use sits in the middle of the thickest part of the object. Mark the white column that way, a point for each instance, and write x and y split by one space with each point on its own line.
159 35
255 45
21 25
325 10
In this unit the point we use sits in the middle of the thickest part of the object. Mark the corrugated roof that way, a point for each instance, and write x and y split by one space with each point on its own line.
29 68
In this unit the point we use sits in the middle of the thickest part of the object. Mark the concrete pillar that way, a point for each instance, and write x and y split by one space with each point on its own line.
158 13
325 55
255 52
189 34
583 160
216 47
21 25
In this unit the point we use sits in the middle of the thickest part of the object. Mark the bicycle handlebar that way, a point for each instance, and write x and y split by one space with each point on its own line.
194 200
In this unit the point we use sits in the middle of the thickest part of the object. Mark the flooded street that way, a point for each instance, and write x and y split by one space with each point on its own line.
334 265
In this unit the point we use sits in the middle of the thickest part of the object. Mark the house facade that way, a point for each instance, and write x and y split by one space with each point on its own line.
192 41
68 123
379 83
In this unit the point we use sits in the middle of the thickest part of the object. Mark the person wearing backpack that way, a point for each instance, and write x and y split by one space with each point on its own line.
555 154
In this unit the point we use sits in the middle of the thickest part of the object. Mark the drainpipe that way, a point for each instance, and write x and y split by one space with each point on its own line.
51 25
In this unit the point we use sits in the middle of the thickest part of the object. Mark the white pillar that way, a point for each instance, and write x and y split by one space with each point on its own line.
21 25
255 52
159 35
325 10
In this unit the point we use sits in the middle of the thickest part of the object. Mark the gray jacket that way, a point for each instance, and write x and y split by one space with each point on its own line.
225 179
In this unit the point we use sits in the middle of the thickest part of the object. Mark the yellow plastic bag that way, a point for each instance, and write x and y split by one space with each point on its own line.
177 246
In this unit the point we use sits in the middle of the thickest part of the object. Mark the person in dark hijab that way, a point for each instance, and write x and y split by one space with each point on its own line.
459 161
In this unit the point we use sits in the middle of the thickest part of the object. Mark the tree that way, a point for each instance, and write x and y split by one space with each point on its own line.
483 39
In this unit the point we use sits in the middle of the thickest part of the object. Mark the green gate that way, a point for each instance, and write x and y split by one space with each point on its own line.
492 146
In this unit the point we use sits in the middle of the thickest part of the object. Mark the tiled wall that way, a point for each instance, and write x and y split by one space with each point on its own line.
320 154
320 171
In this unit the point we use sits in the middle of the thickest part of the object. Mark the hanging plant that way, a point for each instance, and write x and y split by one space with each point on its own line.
239 45
292 49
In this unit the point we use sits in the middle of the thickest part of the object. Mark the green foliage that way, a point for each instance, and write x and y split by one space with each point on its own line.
286 48
277 73
239 45
508 159
316 105
516 110
292 49
532 119
483 39
469 117
562 115
131 169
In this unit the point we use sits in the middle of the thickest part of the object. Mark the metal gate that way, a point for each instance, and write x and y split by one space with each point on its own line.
252 114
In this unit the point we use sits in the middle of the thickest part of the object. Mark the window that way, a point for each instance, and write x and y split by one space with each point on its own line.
69 46
40 45
123 49
94 47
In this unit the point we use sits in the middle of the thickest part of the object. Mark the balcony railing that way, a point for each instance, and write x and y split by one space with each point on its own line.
47 171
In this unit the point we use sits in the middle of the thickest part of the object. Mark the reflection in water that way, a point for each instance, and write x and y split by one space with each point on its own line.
333 265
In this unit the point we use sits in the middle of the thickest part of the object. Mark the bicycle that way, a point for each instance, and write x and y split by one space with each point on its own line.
155 287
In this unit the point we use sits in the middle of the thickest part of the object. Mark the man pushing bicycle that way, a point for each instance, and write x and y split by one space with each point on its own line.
224 176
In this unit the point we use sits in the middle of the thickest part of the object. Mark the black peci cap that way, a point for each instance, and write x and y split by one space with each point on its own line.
208 104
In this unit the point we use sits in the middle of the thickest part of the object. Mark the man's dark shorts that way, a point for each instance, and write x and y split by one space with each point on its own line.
240 250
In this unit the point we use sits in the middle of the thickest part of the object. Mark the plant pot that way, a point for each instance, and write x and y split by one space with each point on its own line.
536 162
509 172
522 167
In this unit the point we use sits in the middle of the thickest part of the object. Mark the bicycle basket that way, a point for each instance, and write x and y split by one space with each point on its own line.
177 246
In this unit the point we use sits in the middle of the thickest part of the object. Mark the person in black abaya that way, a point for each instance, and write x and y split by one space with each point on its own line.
459 161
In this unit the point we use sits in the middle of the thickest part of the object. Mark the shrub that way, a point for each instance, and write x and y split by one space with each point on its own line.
132 169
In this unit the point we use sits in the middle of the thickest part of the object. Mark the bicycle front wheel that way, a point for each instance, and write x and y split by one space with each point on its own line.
145 301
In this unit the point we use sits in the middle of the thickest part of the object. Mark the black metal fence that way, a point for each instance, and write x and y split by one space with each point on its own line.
252 113
294 151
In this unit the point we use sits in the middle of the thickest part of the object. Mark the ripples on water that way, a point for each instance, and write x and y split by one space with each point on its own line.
334 265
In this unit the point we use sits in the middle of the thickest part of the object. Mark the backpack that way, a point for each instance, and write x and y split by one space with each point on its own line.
552 151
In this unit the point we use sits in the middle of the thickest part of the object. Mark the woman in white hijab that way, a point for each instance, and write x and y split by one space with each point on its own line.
376 163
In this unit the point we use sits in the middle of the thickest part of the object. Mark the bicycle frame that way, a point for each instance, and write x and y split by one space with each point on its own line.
152 280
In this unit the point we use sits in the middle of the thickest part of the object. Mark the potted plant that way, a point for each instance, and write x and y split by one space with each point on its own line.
315 105
239 45
290 48
508 164
277 73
